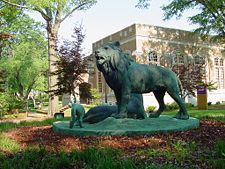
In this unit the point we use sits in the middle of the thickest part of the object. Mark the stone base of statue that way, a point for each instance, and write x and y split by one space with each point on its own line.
111 126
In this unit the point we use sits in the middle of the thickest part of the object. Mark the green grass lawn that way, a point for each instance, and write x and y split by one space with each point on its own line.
202 114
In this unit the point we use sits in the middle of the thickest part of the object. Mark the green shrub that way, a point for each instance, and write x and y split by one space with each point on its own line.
8 103
217 103
15 103
209 103
150 109
96 102
3 104
172 106
189 105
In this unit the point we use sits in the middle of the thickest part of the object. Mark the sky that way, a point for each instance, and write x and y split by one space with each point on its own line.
109 16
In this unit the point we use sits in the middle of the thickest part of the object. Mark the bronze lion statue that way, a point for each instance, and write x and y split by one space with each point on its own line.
124 77
98 113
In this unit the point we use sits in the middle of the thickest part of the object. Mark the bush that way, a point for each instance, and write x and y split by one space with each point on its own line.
189 105
15 103
8 103
150 108
209 103
97 102
3 104
172 106
217 103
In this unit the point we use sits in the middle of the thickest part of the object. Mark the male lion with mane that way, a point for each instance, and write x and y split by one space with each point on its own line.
125 76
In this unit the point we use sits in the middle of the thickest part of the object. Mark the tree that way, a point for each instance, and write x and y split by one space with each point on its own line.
211 16
85 92
25 65
54 12
191 72
71 65
7 16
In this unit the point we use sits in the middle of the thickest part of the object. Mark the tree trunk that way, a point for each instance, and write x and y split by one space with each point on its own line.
52 80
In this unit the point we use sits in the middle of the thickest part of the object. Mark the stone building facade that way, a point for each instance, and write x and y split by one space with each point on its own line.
152 44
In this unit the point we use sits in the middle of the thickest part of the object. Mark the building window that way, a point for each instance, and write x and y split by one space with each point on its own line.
178 58
181 59
99 82
152 56
219 72
221 62
199 60
216 61
125 33
130 29
175 59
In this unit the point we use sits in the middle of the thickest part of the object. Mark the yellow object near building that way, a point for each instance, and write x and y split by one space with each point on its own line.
202 97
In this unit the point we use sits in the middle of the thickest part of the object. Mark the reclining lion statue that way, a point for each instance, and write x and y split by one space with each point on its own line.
124 77
135 110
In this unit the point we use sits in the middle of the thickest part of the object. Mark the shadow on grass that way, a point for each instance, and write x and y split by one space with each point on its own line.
40 158
95 158
90 158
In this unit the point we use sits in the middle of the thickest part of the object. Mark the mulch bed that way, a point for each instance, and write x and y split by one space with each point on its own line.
206 135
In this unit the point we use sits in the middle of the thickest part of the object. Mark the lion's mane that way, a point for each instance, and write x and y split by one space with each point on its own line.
113 62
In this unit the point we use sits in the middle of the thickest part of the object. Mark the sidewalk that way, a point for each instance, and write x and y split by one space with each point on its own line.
31 116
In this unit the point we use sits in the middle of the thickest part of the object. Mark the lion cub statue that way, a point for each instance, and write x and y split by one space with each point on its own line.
124 77
77 114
